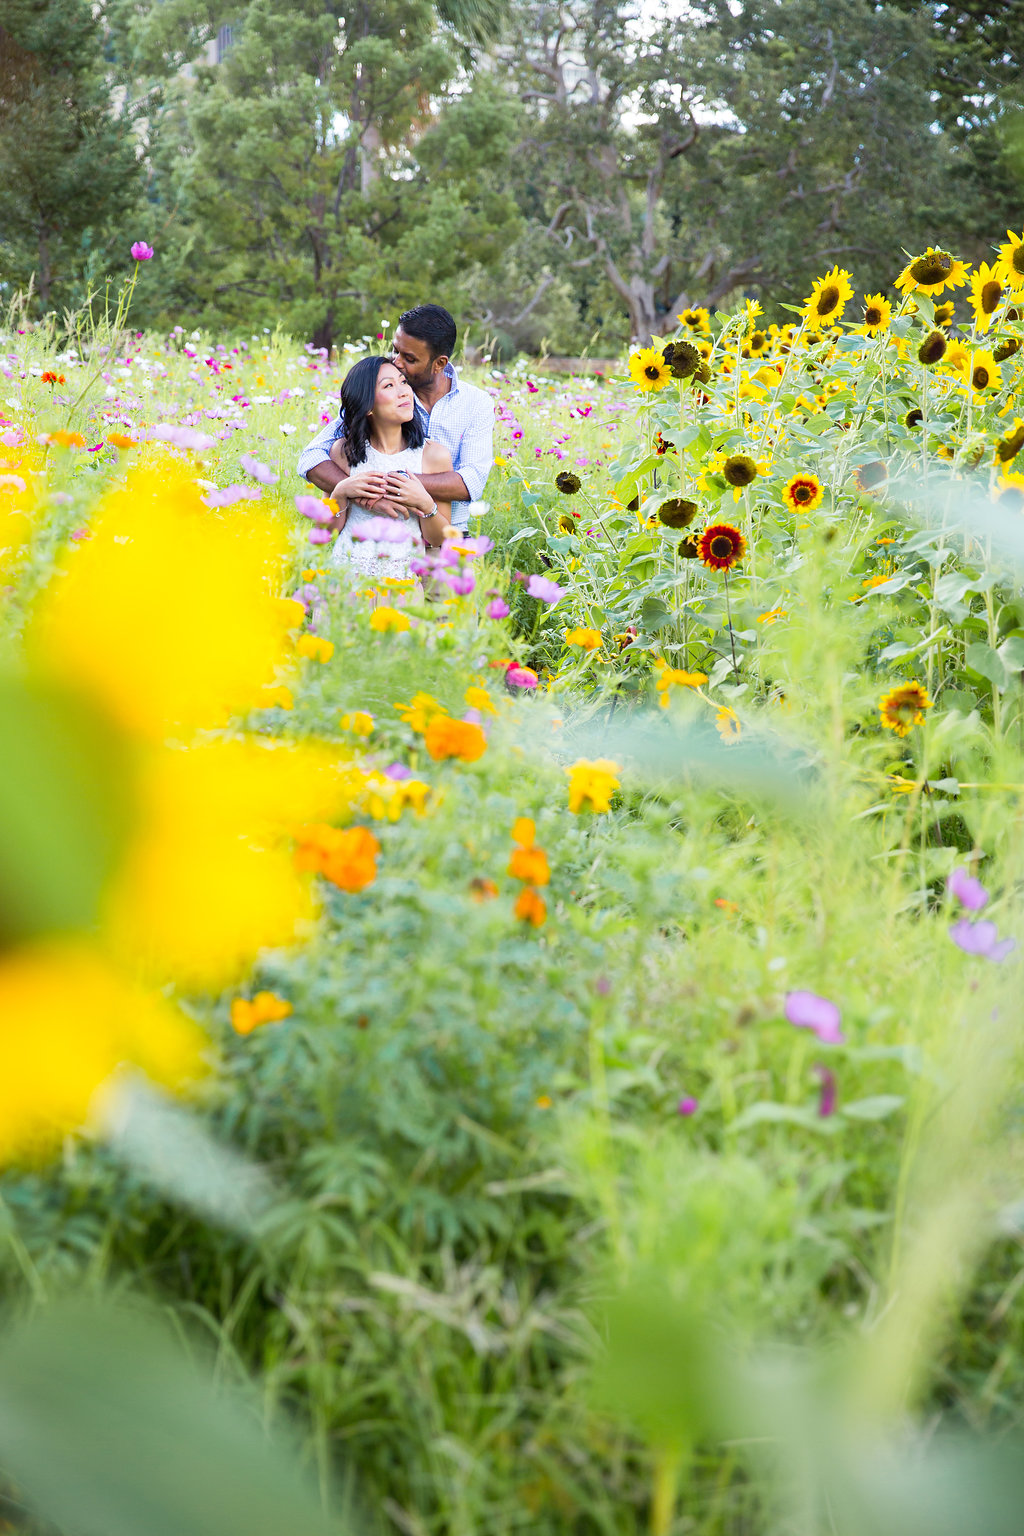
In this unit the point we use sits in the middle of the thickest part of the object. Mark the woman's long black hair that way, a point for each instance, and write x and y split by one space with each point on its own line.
358 391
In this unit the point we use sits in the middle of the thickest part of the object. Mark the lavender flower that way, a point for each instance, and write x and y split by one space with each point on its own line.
498 609
230 494
544 588
981 939
313 508
967 890
261 472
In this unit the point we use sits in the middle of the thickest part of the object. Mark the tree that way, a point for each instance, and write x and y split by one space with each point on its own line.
69 164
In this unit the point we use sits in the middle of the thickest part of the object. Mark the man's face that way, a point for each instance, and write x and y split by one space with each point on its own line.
412 357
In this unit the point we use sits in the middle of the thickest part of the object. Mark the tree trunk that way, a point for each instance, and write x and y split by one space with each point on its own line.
323 333
45 269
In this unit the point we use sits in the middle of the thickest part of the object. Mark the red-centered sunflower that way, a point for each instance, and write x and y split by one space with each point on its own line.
721 546
803 493
903 707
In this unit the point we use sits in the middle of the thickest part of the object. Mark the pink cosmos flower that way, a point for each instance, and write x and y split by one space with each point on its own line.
480 544
313 508
460 582
382 530
688 1105
498 609
320 535
230 494
142 252
806 1010
261 472
981 939
544 588
967 890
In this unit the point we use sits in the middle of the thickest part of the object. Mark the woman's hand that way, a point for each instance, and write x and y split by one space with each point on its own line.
365 486
407 491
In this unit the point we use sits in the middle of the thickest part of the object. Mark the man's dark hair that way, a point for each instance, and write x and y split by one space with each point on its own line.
358 392
432 324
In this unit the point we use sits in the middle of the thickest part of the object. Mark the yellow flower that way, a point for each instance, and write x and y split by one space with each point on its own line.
276 696
593 783
586 639
987 291
727 724
649 370
985 372
697 321
772 616
264 1008
360 723
903 707
829 297
419 711
877 314
69 1023
479 699
314 647
803 492
166 614
385 619
932 272
672 677
1011 257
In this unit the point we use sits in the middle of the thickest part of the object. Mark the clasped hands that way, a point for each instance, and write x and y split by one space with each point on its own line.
387 494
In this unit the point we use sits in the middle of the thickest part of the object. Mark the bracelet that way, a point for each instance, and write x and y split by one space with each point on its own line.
423 516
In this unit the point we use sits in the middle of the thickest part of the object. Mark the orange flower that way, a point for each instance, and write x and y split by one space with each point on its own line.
482 889
529 865
264 1008
454 738
119 440
348 859
530 907
66 439
721 546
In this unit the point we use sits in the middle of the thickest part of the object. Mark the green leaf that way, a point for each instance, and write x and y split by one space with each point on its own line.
767 1113
878 1107
983 659
654 614
525 533
66 809
1012 653
107 1425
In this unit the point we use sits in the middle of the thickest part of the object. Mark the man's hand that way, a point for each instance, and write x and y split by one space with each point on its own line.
385 507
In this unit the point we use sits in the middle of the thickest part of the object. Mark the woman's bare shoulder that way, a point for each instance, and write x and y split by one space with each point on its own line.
436 458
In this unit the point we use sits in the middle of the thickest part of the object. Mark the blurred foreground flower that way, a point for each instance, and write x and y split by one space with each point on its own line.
592 783
248 1014
806 1010
69 1023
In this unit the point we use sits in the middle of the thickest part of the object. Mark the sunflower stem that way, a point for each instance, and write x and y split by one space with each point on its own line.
728 610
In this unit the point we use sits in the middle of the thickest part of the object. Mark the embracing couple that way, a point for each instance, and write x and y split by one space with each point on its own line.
411 443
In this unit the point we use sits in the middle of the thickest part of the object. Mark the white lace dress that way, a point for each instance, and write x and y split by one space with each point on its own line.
369 556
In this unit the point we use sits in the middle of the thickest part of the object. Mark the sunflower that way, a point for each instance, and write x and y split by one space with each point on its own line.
803 493
739 470
933 349
649 370
568 483
903 707
1011 442
682 359
987 292
721 546
1011 258
877 314
944 313
985 372
697 321
932 272
914 417
1006 349
677 512
566 523
958 358
829 297
757 344
867 477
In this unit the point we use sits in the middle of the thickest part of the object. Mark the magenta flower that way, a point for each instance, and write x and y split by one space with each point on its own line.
829 1094
313 508
142 252
981 939
261 472
520 677
230 494
320 535
382 530
967 890
498 609
688 1105
480 544
806 1010
544 588
460 582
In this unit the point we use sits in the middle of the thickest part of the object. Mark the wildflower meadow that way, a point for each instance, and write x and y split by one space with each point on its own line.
533 1044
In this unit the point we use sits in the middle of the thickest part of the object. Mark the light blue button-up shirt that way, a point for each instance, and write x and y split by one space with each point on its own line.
463 420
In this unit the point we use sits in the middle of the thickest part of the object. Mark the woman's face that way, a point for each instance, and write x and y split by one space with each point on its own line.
393 401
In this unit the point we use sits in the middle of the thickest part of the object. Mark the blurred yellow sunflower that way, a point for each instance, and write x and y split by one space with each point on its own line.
1011 258
988 289
697 321
985 372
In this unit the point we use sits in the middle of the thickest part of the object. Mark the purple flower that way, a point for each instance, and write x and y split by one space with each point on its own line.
829 1095
181 437
382 530
320 535
142 252
261 472
398 772
981 939
687 1105
313 508
967 890
498 609
544 588
809 1011
480 544
460 582
230 494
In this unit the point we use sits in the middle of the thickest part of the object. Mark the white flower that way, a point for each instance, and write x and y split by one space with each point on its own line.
287 428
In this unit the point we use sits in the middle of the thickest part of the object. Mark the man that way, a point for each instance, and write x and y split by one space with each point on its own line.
453 412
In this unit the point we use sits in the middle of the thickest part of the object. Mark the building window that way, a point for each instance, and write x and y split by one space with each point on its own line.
225 39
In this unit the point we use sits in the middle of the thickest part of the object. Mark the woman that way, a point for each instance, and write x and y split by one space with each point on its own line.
384 436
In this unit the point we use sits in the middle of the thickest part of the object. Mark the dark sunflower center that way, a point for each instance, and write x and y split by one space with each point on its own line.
990 296
873 315
933 348
652 371
803 492
1008 449
1006 349
739 470
981 376
758 341
913 417
828 299
933 268
721 546
1017 259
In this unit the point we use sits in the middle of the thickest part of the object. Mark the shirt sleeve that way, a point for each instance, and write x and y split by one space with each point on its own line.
476 450
320 447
